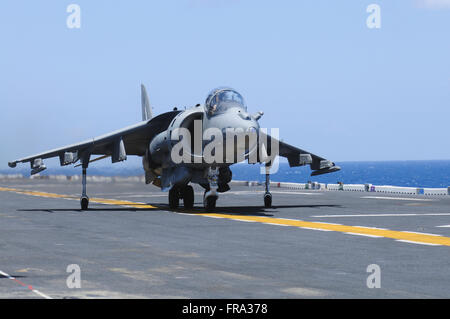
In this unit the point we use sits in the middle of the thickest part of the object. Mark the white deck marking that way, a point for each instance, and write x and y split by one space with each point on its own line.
274 224
365 235
315 229
414 232
329 223
186 214
272 191
416 242
140 196
384 215
444 226
247 221
37 292
372 227
398 198
41 294
295 193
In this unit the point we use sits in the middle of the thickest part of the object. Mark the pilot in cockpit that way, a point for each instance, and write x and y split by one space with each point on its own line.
220 100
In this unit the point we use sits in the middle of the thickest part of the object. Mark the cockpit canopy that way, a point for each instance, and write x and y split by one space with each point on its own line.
222 99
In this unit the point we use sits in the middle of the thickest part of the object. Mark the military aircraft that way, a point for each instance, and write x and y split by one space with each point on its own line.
159 142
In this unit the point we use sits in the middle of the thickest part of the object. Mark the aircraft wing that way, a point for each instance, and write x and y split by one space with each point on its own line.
299 157
132 140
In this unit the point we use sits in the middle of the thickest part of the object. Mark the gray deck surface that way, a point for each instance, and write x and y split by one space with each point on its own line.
129 252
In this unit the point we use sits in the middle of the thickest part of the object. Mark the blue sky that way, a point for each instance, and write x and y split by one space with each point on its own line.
332 85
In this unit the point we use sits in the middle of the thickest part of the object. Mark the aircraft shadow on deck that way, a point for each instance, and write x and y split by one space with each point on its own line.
261 210
107 209
232 210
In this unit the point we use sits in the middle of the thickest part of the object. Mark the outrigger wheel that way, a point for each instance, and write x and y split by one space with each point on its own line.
267 194
84 201
267 200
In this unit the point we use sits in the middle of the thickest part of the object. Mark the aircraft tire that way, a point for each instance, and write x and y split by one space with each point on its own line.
210 203
188 197
174 197
267 200
84 202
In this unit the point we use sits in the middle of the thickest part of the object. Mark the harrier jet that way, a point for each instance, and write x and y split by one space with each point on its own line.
181 147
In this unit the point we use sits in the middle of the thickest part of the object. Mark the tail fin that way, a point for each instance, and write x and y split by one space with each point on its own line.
146 110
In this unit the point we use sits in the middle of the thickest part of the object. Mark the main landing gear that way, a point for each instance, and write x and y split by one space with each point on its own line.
185 192
84 200
267 194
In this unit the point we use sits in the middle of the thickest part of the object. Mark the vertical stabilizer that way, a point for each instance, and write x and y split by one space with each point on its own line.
146 110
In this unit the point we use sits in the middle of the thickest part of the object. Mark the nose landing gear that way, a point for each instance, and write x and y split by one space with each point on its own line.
209 201
185 192
210 196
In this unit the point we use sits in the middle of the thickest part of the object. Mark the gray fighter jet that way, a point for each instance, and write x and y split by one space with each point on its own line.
221 128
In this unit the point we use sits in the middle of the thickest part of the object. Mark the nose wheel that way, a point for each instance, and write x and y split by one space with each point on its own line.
209 201
210 197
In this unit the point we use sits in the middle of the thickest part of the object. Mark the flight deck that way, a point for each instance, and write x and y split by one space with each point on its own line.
310 244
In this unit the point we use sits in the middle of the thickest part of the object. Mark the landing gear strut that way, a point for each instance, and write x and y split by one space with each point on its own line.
84 200
210 196
185 192
267 194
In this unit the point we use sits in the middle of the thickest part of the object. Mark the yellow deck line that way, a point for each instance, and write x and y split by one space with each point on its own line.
120 203
34 193
398 235
92 200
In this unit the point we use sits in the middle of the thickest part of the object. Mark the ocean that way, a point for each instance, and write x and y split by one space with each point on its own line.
398 173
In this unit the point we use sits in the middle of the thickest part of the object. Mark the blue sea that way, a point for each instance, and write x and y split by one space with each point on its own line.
399 173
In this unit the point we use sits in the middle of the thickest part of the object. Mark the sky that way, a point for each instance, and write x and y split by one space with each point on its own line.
331 85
